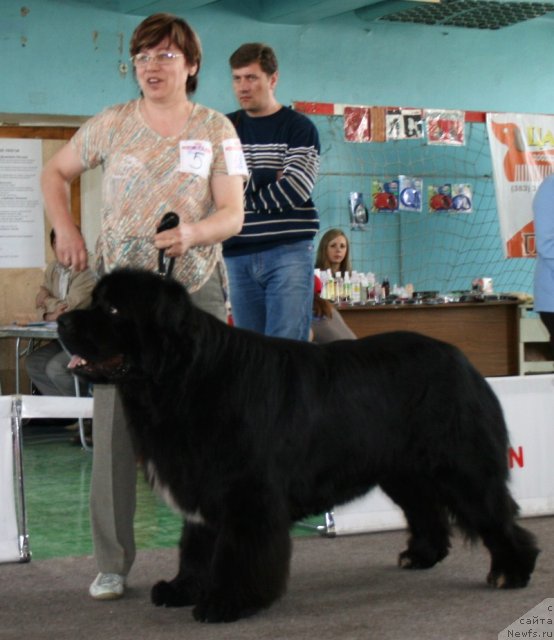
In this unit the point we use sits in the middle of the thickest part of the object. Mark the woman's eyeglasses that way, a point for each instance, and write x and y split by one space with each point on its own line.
142 59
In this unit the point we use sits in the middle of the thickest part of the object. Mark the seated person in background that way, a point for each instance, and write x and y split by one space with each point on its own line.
333 252
327 323
62 290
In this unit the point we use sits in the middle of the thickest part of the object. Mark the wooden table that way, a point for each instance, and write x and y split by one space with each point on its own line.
487 332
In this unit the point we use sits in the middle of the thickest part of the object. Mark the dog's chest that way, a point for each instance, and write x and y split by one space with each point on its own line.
193 515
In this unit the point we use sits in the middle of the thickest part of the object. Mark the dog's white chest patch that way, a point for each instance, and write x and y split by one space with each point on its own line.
165 494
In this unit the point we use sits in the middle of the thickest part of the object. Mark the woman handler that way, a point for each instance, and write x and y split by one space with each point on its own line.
159 153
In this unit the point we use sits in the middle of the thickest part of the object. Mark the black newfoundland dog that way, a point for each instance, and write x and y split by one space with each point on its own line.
250 434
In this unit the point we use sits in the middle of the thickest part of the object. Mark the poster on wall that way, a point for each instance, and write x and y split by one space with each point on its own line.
445 126
522 152
21 210
357 124
403 124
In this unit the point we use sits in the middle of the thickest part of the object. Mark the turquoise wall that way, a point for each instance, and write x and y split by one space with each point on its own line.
62 58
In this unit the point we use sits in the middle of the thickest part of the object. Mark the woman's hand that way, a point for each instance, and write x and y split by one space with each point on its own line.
177 241
70 248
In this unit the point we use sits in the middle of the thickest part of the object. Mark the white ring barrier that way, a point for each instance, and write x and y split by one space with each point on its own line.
9 530
14 538
527 401
528 405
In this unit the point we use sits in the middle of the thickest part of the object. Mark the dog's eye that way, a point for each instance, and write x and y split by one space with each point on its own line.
113 311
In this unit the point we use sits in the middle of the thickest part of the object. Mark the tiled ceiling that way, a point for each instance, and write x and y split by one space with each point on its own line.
471 14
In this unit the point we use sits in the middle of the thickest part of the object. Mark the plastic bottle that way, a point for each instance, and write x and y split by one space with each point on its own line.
356 288
339 287
364 288
385 285
347 288
371 280
331 289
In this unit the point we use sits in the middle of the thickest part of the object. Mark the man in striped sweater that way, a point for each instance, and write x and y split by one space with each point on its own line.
270 263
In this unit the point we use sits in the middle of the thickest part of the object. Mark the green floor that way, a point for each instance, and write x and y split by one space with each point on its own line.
57 476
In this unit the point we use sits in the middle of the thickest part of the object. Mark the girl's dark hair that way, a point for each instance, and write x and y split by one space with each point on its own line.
161 26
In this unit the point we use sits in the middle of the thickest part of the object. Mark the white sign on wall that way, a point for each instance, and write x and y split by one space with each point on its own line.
21 209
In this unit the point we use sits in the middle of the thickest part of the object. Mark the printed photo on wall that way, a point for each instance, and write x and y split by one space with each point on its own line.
403 124
357 124
445 126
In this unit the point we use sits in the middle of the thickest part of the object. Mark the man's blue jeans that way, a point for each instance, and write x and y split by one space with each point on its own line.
272 291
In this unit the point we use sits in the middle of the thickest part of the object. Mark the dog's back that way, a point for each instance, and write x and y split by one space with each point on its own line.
398 399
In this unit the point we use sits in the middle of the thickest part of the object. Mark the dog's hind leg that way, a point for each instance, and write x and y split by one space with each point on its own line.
513 557
251 559
489 512
427 519
196 552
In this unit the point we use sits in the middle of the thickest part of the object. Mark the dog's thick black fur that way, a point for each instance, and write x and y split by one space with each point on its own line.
250 434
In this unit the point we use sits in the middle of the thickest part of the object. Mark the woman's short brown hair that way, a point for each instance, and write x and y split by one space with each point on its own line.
161 26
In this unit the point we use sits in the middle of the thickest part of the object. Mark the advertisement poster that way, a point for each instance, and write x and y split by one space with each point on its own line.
522 152
21 210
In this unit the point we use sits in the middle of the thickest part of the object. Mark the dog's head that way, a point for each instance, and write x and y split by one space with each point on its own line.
135 327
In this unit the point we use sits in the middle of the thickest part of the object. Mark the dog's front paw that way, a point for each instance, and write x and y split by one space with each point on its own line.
171 594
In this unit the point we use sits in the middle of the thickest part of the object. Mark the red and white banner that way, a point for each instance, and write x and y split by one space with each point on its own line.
522 152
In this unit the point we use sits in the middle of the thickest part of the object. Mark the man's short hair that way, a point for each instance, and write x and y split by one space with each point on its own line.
255 52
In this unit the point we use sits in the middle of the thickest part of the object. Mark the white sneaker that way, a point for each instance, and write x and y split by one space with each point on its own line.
107 586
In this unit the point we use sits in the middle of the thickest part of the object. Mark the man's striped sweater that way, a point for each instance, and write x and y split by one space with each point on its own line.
282 154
